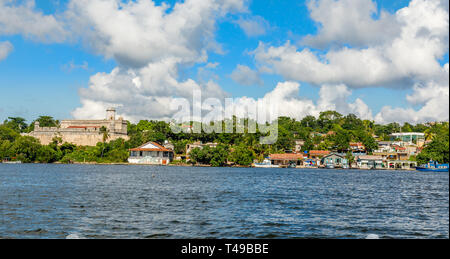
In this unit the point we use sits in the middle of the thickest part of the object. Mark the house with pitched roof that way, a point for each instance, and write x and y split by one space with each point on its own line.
289 159
318 154
151 153
334 160
370 162
315 156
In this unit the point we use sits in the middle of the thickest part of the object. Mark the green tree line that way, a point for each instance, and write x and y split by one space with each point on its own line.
329 131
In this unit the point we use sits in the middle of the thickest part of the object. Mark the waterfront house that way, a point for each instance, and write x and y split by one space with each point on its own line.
334 160
400 156
151 154
286 159
402 164
370 162
397 160
317 155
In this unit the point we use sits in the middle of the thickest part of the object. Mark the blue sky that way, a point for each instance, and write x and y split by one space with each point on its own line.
44 78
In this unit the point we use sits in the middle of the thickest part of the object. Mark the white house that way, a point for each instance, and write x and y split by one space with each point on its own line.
151 154
370 162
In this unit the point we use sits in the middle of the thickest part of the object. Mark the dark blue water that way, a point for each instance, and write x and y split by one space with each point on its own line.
56 201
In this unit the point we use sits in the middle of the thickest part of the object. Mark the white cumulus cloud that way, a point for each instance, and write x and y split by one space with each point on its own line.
412 55
136 33
244 75
350 22
286 96
5 48
253 26
151 43
401 50
356 46
22 18
433 97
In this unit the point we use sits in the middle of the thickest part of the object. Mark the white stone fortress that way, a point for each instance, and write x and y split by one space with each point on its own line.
83 132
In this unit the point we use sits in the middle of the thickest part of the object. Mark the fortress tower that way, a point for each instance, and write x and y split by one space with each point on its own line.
111 114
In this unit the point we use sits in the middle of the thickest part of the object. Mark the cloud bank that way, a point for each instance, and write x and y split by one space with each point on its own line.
402 50
23 19
151 43
356 46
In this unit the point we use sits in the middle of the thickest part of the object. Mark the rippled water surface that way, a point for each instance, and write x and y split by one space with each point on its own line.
57 201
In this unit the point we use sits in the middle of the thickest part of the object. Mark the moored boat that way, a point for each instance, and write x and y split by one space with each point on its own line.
433 166
10 161
329 166
265 164
292 165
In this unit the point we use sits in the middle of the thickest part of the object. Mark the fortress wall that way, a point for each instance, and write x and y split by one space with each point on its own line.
85 133
98 123
45 128
77 138
118 126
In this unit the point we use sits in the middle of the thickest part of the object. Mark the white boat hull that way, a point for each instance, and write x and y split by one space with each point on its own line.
12 162
266 166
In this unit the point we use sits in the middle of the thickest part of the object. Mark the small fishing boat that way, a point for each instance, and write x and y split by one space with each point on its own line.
292 165
11 161
329 166
265 164
433 166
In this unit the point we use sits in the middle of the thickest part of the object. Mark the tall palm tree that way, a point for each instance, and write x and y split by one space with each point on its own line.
429 135
105 132
369 126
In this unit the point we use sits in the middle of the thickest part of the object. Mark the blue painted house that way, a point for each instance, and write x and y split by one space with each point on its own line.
334 160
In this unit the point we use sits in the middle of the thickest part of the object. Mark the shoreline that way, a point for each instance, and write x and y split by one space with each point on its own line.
208 166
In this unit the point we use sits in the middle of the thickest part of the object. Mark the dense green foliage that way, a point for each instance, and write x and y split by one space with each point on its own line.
242 155
330 131
28 149
210 156
438 149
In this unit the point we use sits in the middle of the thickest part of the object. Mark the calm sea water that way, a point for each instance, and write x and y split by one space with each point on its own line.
85 201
